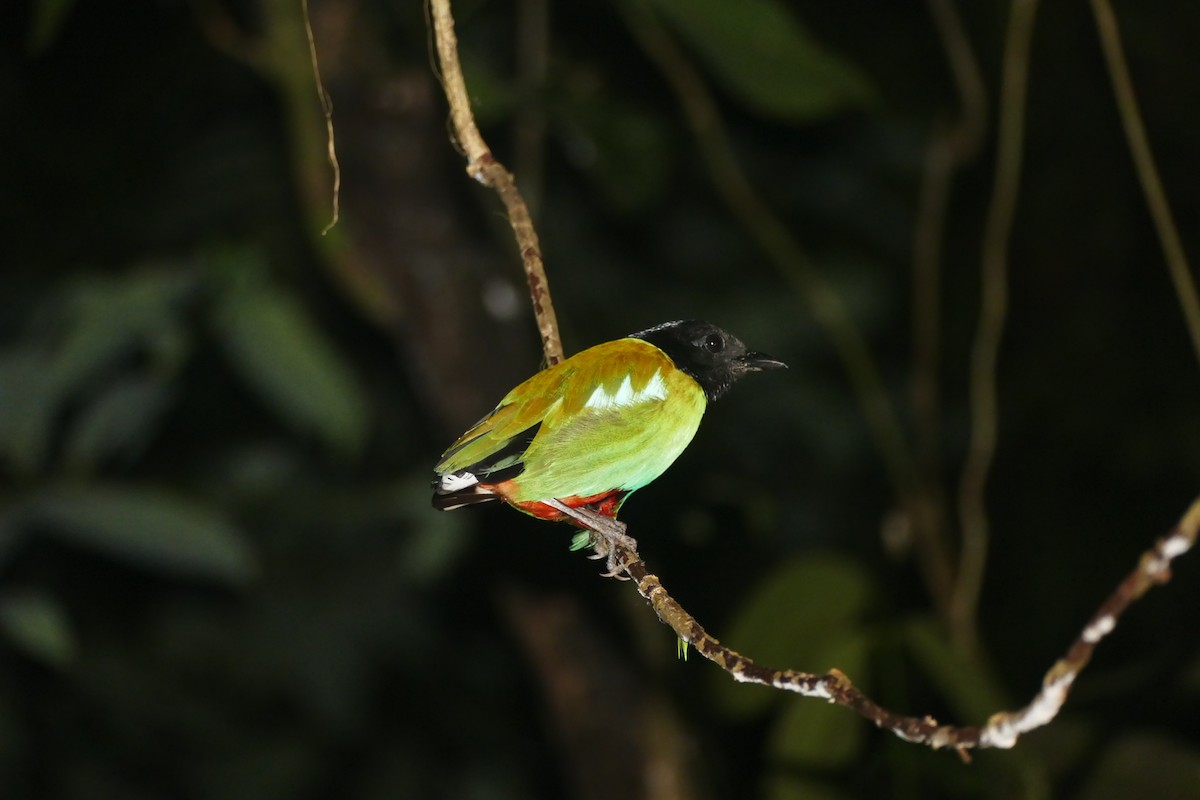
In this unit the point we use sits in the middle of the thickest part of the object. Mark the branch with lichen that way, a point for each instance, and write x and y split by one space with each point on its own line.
483 167
1003 729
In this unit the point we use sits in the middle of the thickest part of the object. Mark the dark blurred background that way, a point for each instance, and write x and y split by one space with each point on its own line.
220 576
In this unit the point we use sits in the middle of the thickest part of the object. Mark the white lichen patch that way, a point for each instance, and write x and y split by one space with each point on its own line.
1098 629
1175 546
819 690
1003 730
1154 565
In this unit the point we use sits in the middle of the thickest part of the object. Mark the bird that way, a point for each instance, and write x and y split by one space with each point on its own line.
575 440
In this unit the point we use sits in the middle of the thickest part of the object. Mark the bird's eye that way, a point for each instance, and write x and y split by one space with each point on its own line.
713 343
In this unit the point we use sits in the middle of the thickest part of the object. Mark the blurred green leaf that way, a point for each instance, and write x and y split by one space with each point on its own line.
153 529
764 57
1145 765
282 354
95 322
117 423
37 624
48 16
813 733
27 410
626 149
791 787
106 318
801 616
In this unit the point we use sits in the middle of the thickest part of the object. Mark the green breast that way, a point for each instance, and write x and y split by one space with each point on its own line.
624 437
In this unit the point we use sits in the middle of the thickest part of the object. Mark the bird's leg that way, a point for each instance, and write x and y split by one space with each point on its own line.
607 532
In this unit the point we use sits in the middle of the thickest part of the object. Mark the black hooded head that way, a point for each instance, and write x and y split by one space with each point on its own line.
713 358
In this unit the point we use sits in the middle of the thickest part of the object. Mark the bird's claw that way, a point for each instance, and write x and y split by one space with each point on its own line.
607 535
606 542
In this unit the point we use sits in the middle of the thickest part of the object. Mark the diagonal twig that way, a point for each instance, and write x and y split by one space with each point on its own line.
1143 160
1002 729
952 143
327 112
985 351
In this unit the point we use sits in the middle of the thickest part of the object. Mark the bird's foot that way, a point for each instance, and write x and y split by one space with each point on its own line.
607 534
605 543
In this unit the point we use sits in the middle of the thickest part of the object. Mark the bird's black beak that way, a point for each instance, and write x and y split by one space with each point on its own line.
757 362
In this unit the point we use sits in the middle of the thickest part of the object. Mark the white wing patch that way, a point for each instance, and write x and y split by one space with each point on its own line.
655 389
456 482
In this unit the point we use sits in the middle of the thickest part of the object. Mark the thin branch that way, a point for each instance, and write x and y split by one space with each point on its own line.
1002 729
327 110
1143 159
483 167
968 79
950 145
985 351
